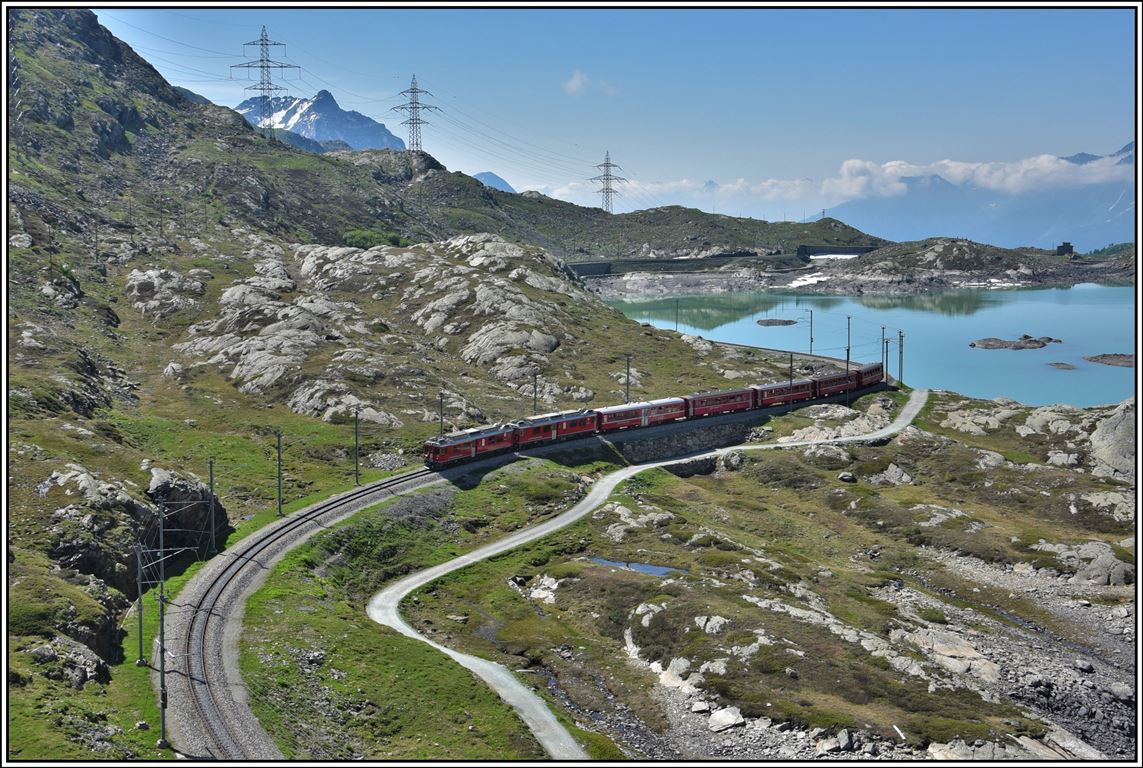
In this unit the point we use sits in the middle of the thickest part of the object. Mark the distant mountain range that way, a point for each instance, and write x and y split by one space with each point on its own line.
1089 216
321 119
490 179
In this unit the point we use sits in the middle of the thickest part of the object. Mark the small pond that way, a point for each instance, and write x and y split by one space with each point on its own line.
654 570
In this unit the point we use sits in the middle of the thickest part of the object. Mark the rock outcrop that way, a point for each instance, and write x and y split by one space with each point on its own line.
1113 446
493 304
158 293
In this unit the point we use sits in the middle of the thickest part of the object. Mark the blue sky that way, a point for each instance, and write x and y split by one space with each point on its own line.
771 104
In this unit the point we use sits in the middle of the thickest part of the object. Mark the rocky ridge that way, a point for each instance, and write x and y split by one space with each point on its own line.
937 264
1081 693
465 296
1102 439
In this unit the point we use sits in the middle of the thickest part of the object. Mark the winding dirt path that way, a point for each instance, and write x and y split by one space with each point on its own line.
384 607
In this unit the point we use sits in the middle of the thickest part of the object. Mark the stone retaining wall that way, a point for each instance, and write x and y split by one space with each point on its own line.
639 446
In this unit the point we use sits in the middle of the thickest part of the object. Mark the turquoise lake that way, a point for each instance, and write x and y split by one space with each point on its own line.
1088 319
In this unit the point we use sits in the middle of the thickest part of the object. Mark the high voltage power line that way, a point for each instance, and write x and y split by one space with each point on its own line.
607 179
414 106
552 166
265 65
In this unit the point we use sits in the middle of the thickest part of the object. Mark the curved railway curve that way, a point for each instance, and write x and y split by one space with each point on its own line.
384 606
208 713
208 716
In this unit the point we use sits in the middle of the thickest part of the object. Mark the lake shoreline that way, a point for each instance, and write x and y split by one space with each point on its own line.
935 329
835 280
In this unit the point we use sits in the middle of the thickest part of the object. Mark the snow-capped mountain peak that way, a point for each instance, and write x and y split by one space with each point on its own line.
322 119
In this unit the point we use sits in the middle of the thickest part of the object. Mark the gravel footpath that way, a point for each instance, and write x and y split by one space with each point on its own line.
384 606
188 733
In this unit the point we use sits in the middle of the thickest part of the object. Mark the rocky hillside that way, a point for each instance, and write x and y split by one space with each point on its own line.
101 142
963 591
127 379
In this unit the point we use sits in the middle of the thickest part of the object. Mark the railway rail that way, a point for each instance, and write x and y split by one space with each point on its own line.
211 717
200 681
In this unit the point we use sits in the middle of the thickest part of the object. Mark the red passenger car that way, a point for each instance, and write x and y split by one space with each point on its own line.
834 383
446 449
868 375
553 426
666 409
613 417
728 401
766 395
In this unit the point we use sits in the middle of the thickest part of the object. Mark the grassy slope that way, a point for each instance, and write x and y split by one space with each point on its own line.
798 515
455 202
237 430
317 594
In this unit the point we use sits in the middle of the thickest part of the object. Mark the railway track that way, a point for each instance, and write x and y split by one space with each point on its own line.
210 715
212 719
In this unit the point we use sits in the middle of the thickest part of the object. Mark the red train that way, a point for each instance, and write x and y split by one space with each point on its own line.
552 427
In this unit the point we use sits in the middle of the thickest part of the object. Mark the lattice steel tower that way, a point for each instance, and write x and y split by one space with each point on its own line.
265 84
414 107
607 178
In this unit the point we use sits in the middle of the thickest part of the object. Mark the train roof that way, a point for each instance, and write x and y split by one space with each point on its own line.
841 374
466 435
785 383
550 418
640 405
720 392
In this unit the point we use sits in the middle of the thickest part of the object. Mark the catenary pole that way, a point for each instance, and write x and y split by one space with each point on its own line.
162 743
211 540
900 355
628 379
848 318
142 660
279 434
790 393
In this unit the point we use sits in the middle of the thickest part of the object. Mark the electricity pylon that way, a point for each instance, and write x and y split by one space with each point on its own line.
607 178
265 85
414 106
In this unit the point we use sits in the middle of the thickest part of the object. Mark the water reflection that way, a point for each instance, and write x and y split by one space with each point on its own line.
707 312
935 330
953 303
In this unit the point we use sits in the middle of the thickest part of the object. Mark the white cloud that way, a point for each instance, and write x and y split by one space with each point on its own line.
575 84
855 178
864 178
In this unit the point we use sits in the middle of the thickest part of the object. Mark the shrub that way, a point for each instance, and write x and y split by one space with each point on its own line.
369 238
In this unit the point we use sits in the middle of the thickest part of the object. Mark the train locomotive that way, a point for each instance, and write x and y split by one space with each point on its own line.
470 444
